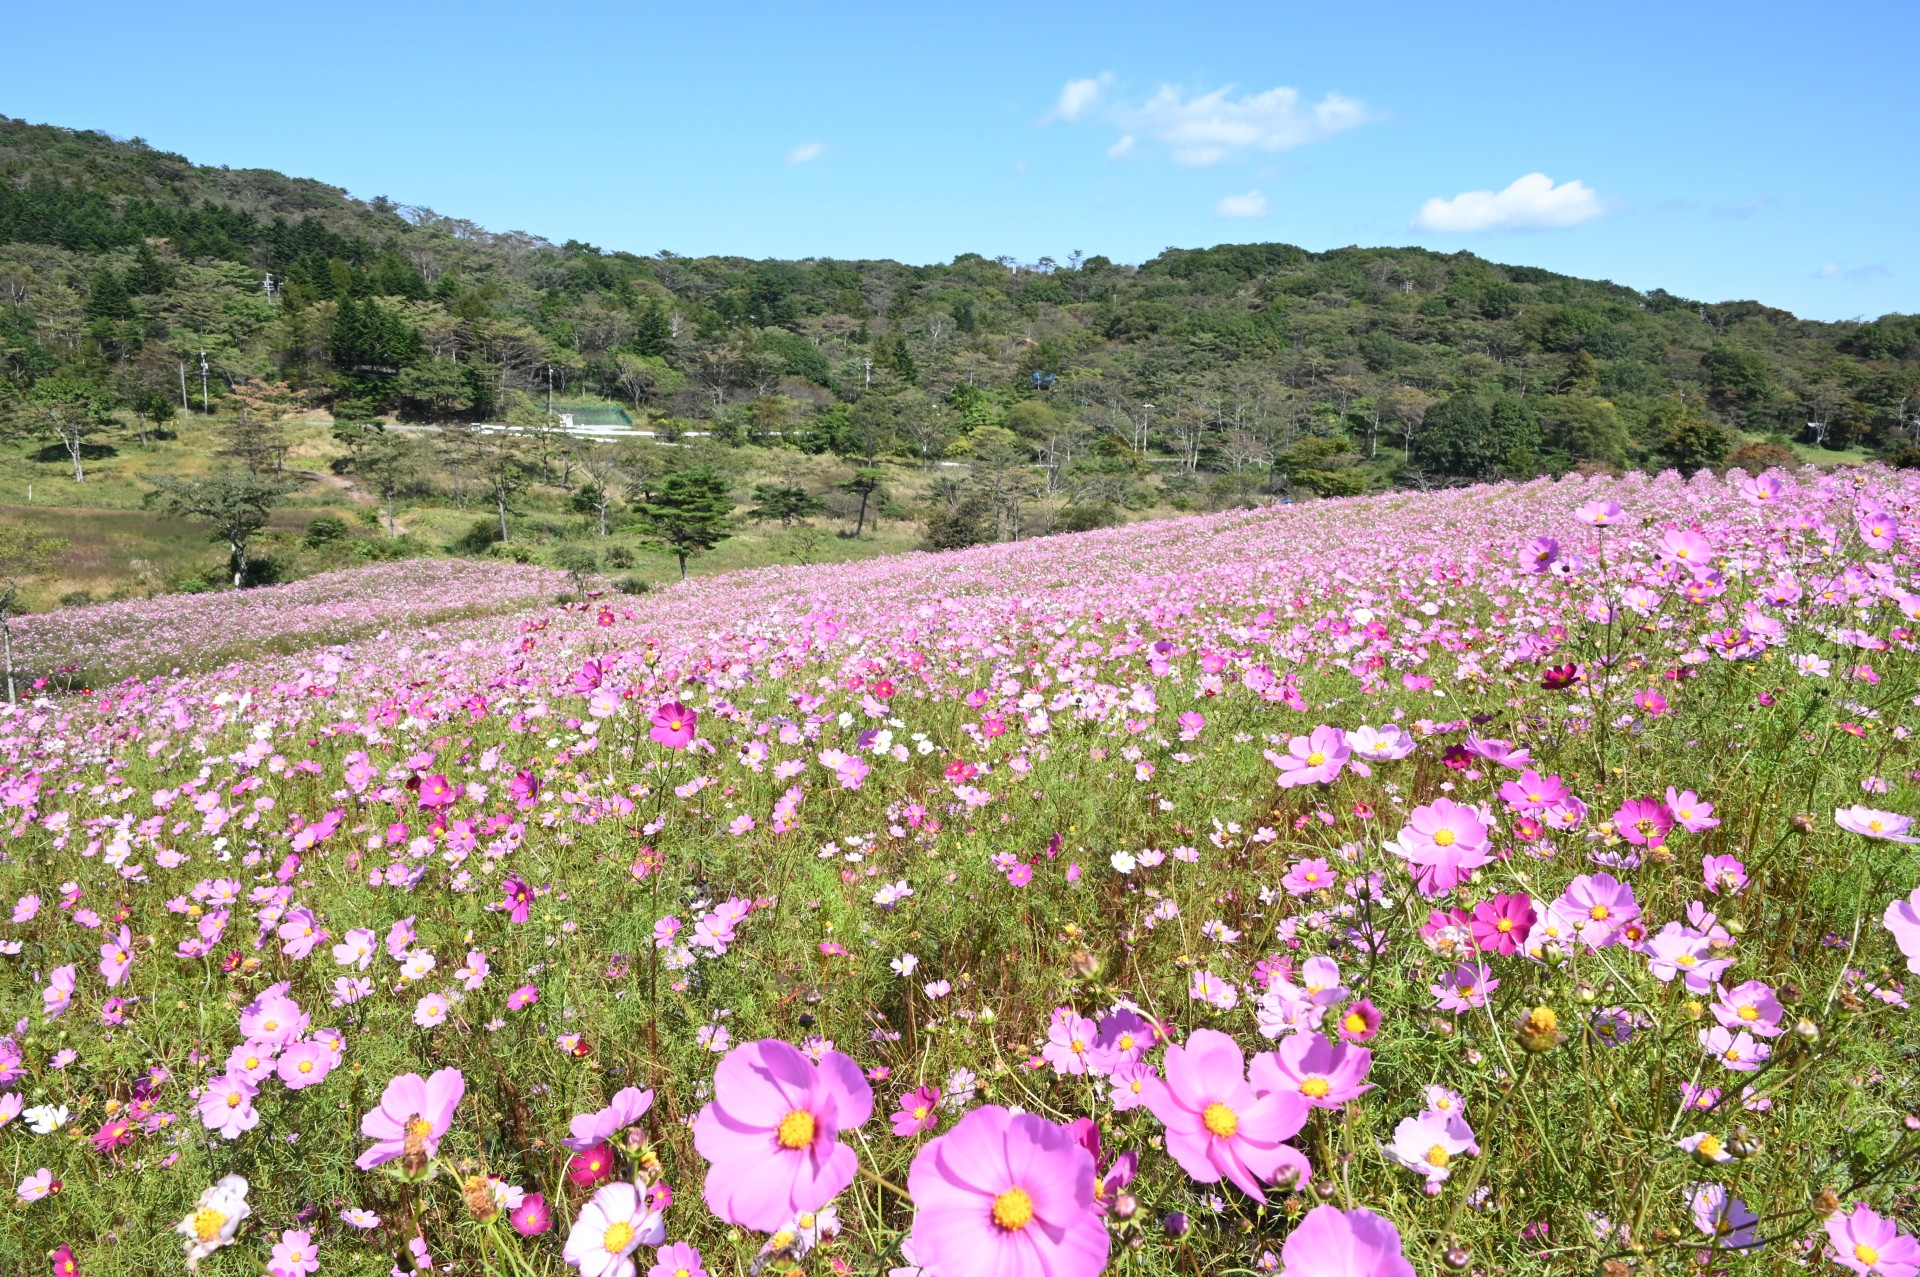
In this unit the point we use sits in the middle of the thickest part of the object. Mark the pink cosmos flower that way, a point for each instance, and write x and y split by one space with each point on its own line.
522 998
252 1060
625 1109
1693 815
674 725
1360 1022
411 1109
532 1216
1537 555
436 791
1645 822
58 995
295 1254
1688 548
771 1132
1599 906
1313 759
1330 1242
1382 745
1006 1195
1879 530
1427 1145
1221 1126
1534 792
1129 1086
1501 925
677 1260
1871 1245
305 1064
1446 842
1070 1040
1874 824
226 1106
1124 1038
274 1018
1751 1006
1323 1073
1740 1053
917 1112
1762 489
474 973
1723 873
1308 875
517 898
1465 988
116 956
1723 1217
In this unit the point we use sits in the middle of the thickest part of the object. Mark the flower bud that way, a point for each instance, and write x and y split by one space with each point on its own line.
1803 822
1540 1030
1585 992
1177 1224
1457 1257
1826 1202
1126 1206
1806 1030
1084 965
1695 1008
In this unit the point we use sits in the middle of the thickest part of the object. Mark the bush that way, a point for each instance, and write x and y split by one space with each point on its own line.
619 556
1756 458
1085 518
326 531
478 539
633 585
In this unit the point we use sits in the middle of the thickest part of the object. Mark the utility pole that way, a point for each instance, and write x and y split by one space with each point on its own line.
1145 408
549 390
205 402
868 365
186 405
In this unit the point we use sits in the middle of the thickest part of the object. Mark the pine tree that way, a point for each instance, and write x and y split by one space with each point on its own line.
690 513
107 296
149 274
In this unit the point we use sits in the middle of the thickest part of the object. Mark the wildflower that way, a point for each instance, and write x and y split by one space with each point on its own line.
1740 1053
1360 1021
674 725
678 1260
1427 1145
517 898
1323 1073
1599 905
1502 925
1751 1006
916 1113
1465 988
215 1218
37 1185
1868 1243
1723 1217
115 957
522 998
1446 842
1693 815
627 1107
1872 824
1707 1148
412 1117
1313 759
1723 873
771 1133
610 1228
1007 1194
1643 821
431 1011
295 1254
358 1217
58 995
532 1216
1308 875
590 1166
1331 1242
226 1106
1221 1126
1540 1030
437 792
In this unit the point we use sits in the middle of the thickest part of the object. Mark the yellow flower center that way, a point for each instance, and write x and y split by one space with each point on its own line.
207 1223
1733 1054
1504 925
420 1126
1748 1013
919 1112
1355 1022
273 1026
1013 1209
1221 1120
617 1237
1876 826
233 1099
305 1066
1315 1087
1708 1147
1599 913
796 1129
1866 1254
1316 758
1126 1041
253 1061
1437 1156
1444 838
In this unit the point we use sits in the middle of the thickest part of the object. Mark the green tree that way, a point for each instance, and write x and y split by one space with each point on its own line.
1472 436
236 504
69 410
864 483
1583 428
785 502
149 274
107 296
690 513
24 555
434 390
1689 441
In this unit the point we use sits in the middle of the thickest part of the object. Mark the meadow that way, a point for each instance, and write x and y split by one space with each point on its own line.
1505 879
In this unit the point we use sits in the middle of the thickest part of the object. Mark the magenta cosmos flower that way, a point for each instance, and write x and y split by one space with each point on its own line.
1870 1244
1331 1242
917 1113
674 725
1313 759
1002 1195
626 1108
1501 925
1218 1125
411 1110
1599 905
516 898
1324 1074
771 1133
1645 822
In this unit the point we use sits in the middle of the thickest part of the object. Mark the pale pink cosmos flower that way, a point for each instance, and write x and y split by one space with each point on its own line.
1313 759
116 956
1381 745
1902 919
1723 874
1219 1125
1446 841
1323 1073
1308 876
274 1018
411 1108
1694 816
1871 1244
1070 1043
1465 988
1007 1194
625 1109
1751 1006
58 995
474 973
305 1064
1740 1053
296 1254
1874 824
1330 1242
771 1133
1599 905
355 949
226 1106
253 1060
611 1227
1723 1217
1427 1145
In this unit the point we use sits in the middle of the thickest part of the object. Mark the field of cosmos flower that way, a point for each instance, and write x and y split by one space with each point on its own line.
1511 879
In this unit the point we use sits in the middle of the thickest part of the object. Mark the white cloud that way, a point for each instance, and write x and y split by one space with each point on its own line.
806 152
1252 204
1856 274
1207 128
1080 96
1531 203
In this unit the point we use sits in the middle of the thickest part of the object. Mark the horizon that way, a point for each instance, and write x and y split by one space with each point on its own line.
1675 163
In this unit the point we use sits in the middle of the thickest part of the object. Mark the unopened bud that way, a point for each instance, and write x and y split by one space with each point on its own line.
1457 1257
1806 1029
1126 1206
1735 927
1084 964
1177 1224
1585 992
1803 822
1826 1202
1695 1008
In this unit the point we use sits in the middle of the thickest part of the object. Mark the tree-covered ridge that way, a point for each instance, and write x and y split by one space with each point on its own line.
1239 368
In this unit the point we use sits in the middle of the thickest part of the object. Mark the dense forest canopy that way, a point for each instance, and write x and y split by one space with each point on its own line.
1264 366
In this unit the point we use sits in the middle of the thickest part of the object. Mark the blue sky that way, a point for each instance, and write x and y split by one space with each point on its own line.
1719 150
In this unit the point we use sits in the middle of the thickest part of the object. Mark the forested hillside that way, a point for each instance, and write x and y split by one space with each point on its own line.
1203 376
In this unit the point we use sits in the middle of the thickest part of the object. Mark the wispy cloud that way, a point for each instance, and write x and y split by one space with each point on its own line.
1852 274
1201 129
806 152
1252 204
1743 209
1530 203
